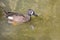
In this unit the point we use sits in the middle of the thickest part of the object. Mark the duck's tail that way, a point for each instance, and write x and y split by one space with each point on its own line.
5 13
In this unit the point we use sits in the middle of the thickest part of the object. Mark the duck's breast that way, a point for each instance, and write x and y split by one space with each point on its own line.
27 18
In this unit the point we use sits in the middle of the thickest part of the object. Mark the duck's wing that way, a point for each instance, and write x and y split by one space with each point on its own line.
10 13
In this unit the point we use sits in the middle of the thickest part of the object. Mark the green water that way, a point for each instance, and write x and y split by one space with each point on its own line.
45 27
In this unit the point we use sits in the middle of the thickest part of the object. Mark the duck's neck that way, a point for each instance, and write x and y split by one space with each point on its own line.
29 15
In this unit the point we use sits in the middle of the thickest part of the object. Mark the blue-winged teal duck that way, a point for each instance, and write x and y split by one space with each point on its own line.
13 17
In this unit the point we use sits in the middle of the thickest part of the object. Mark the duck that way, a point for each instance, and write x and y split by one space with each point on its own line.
14 17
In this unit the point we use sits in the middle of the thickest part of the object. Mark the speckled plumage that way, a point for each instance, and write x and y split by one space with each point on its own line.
19 18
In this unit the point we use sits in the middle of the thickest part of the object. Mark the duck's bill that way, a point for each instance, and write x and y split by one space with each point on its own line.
35 14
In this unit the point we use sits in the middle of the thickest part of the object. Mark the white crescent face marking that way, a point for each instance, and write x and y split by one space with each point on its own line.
31 13
11 18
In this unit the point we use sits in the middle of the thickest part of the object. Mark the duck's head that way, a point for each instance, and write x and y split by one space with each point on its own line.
31 12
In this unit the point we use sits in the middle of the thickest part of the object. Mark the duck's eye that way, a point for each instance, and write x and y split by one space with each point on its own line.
11 18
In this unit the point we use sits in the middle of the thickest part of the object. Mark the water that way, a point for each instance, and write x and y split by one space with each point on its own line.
45 27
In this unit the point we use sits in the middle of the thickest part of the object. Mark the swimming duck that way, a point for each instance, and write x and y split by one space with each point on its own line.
14 17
